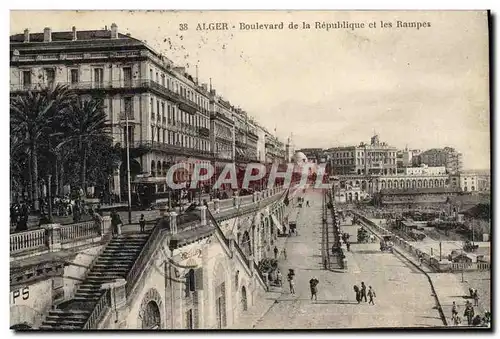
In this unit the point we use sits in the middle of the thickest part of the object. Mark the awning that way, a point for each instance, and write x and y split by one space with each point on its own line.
276 223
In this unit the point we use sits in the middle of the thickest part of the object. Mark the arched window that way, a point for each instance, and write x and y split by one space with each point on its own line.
151 316
244 303
190 282
153 168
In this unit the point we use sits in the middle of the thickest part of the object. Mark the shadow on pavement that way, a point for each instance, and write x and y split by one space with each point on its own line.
338 302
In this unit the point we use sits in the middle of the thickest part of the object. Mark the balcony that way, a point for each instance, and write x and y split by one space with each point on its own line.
173 149
203 131
127 115
240 144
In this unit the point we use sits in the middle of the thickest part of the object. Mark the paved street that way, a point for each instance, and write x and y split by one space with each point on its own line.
403 294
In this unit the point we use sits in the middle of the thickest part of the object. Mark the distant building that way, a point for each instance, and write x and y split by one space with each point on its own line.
466 181
407 157
447 157
377 158
424 170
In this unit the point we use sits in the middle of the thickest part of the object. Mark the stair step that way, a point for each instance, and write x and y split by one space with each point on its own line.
60 321
67 327
65 312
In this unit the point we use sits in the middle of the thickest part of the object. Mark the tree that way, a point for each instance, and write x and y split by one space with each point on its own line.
85 125
29 117
32 117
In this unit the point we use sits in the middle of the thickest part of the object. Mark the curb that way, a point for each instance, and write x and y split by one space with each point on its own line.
397 250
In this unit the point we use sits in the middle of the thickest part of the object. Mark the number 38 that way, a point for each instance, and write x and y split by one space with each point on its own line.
183 27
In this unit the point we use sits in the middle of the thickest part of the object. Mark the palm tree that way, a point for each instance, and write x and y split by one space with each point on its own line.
31 117
85 125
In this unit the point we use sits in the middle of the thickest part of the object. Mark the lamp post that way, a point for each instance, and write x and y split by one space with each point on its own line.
49 195
128 170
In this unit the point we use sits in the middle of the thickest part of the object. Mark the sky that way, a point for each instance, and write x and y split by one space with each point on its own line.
421 88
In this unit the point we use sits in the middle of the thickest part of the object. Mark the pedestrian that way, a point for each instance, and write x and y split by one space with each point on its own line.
358 293
348 245
363 291
279 278
307 203
476 298
313 284
142 223
291 282
469 312
114 222
371 295
284 253
276 252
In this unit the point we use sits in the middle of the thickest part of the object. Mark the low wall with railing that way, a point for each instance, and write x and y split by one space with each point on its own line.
55 237
430 261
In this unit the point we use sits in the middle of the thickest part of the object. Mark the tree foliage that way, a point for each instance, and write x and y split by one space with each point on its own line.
55 133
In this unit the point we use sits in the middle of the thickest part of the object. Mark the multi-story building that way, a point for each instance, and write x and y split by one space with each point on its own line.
313 155
447 157
374 159
407 158
167 116
467 181
222 131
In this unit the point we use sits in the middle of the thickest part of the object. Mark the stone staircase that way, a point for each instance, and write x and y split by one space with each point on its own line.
113 263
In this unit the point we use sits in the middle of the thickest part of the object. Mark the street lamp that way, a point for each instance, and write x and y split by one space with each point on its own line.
49 194
128 170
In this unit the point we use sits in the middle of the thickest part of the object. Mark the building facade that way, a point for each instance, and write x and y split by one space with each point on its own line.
447 157
466 181
163 113
376 158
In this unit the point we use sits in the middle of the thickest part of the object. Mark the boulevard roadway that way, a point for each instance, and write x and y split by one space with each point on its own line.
404 297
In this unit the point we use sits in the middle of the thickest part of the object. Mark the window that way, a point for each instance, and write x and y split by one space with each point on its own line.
74 76
158 134
189 319
26 78
128 134
152 133
50 75
127 77
98 77
128 107
151 74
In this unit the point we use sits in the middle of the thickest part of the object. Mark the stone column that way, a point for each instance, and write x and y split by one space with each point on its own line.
106 225
163 211
53 233
116 181
203 212
118 298
173 222
254 197
216 205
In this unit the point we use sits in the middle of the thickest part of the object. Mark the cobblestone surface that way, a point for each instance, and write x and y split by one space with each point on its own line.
403 293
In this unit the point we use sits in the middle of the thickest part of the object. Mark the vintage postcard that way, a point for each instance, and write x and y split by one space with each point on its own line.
258 170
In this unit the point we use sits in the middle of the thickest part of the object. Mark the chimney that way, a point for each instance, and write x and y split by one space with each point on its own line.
26 35
114 31
74 33
47 34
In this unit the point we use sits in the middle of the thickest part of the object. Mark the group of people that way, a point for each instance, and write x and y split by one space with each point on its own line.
362 293
469 314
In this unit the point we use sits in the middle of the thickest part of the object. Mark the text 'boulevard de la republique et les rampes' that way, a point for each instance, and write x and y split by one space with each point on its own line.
317 25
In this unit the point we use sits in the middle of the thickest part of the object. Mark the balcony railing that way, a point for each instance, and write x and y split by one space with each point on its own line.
155 145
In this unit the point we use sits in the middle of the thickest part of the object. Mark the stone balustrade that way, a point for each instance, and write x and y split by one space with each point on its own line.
55 237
